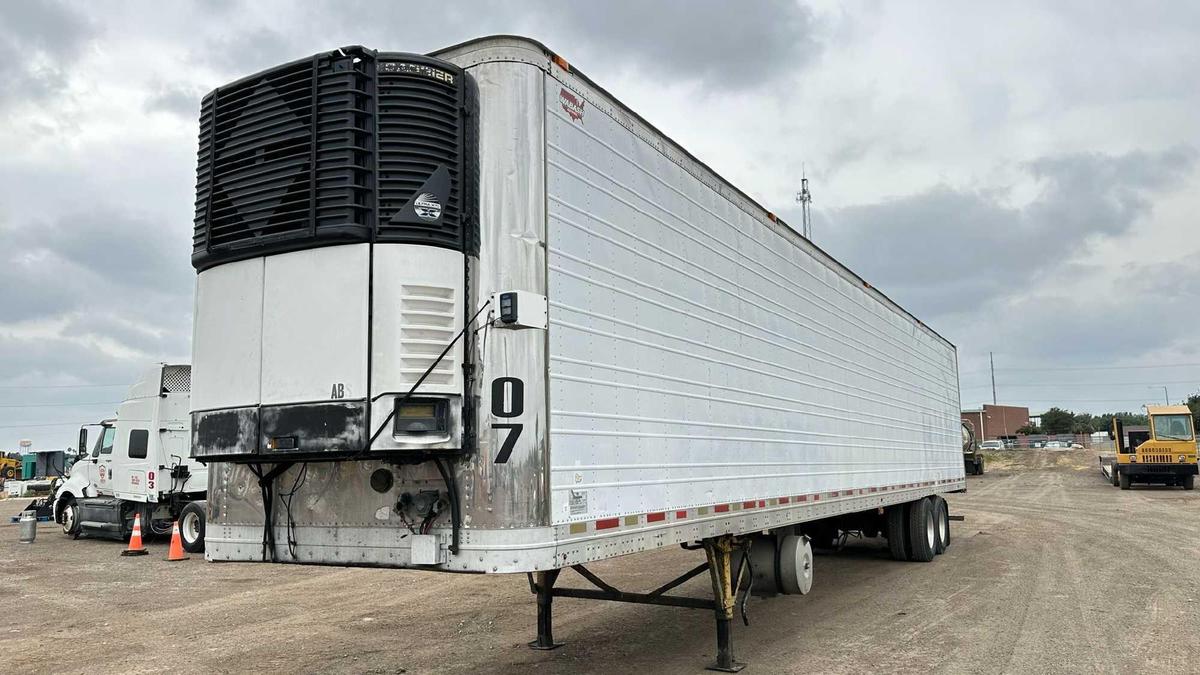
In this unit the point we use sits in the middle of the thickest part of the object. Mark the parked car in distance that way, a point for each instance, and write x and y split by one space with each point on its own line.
1038 444
1076 446
991 445
1056 444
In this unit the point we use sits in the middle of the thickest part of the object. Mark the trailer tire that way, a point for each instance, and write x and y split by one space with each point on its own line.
1124 481
942 515
922 530
191 527
1189 482
897 531
70 517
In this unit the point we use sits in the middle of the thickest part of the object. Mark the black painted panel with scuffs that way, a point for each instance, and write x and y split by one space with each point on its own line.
223 434
300 431
315 429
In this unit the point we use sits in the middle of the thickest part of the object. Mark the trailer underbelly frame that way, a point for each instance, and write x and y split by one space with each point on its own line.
542 548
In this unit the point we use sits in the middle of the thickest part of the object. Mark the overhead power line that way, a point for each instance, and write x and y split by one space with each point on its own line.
1155 383
1162 365
1079 368
58 386
54 405
46 424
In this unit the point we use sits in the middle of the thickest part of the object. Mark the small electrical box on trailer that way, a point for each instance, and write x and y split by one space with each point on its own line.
519 309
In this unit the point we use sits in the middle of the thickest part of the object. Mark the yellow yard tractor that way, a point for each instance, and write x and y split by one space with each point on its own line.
1163 453
9 468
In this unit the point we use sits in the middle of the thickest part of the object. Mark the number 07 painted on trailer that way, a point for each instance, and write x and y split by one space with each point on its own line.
508 401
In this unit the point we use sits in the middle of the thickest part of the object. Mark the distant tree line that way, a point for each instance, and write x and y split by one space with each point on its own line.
1060 421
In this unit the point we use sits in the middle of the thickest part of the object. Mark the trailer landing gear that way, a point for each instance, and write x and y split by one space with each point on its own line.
725 582
543 587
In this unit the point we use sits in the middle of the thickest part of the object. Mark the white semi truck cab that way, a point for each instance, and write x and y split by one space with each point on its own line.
138 463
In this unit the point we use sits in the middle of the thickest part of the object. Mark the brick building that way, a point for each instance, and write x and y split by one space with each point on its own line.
992 422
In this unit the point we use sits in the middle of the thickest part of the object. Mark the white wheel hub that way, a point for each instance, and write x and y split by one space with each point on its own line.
795 565
68 519
190 527
930 531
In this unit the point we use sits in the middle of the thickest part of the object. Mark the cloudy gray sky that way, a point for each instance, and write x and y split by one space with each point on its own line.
1023 176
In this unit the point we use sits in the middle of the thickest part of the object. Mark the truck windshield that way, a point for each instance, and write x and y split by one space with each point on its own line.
106 443
1172 428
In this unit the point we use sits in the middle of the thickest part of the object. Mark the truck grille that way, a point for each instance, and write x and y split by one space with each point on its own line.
1156 459
336 148
427 326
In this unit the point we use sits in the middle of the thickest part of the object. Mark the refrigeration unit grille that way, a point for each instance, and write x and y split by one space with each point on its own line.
347 146
420 132
284 160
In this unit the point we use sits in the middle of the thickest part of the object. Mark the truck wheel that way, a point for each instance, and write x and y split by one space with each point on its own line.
922 530
1113 475
897 531
942 511
191 527
1189 482
8 472
70 517
979 467
1124 481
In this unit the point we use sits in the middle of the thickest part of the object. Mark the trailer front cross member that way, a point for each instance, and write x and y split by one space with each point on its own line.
719 565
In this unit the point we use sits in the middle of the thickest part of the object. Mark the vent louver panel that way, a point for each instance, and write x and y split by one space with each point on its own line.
427 325
176 379
341 147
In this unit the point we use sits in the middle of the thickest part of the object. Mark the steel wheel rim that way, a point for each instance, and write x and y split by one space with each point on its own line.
68 518
943 524
190 527
930 535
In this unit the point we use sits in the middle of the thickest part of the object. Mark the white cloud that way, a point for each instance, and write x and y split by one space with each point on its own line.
1043 121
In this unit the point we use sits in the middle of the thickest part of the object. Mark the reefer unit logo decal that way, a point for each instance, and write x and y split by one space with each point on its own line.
427 206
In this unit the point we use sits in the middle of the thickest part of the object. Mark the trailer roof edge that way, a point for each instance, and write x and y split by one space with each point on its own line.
550 55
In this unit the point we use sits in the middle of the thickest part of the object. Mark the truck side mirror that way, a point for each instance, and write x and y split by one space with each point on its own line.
82 441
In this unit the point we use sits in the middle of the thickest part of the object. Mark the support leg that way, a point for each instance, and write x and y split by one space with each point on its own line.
720 567
543 586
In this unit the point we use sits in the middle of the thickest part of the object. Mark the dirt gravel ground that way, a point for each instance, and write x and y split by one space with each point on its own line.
1053 570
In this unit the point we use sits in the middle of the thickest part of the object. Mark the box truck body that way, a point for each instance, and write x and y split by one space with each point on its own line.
468 312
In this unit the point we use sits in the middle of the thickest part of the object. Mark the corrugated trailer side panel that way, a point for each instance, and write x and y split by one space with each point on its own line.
703 356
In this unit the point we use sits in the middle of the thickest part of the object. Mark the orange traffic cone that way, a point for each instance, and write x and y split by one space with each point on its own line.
176 550
135 540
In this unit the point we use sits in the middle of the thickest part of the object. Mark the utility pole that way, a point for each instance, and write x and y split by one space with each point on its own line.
804 197
992 361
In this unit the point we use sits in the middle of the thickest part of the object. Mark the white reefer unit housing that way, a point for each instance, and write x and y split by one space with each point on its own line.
468 312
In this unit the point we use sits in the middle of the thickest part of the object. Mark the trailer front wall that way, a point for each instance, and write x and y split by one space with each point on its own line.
703 356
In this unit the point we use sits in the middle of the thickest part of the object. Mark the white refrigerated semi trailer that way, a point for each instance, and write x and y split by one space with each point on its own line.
468 312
